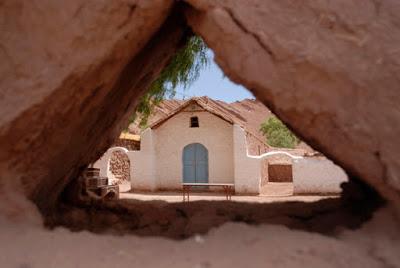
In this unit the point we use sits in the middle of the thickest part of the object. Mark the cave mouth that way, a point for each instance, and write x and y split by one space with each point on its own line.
181 220
351 209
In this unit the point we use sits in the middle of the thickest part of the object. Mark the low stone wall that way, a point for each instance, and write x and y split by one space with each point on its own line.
317 176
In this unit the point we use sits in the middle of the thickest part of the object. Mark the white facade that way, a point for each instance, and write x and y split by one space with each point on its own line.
158 164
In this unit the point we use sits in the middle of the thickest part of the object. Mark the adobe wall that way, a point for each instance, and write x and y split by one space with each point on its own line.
316 176
247 170
143 171
254 145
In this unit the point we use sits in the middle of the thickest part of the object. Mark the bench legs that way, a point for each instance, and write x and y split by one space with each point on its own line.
186 192
229 190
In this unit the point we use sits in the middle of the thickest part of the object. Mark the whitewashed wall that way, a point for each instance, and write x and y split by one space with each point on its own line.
316 176
247 170
173 135
143 175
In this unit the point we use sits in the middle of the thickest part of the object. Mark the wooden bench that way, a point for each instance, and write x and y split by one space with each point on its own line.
229 189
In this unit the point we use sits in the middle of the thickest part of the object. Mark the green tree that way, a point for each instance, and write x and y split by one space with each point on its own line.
277 134
183 70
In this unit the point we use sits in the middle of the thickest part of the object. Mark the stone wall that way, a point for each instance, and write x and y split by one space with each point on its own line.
120 166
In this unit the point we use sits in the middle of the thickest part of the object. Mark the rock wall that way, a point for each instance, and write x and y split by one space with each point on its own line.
71 73
328 69
77 72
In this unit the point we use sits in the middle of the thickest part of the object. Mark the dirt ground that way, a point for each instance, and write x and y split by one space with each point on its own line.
176 197
271 192
230 245
206 233
164 213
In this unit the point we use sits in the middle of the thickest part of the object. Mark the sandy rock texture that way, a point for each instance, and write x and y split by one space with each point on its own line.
71 72
232 245
70 75
329 69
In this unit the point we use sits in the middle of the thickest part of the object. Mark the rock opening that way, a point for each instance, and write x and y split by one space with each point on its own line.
317 66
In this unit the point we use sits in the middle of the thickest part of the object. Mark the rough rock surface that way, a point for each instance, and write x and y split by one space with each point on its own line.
71 73
329 69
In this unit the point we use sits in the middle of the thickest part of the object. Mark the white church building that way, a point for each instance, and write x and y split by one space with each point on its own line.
205 141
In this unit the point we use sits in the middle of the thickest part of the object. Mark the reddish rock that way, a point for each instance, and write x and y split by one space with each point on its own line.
330 70
71 73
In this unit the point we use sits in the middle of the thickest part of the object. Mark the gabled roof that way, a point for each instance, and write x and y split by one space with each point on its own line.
204 102
225 111
247 113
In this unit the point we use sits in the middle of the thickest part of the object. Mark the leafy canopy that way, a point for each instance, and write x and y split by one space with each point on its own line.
277 134
183 70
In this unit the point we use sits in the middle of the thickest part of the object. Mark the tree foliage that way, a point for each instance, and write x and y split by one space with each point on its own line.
183 70
277 134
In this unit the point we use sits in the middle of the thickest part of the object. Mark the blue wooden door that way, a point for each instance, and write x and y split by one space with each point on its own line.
195 163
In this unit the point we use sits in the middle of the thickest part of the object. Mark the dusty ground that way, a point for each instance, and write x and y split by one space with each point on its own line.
230 245
212 234
176 197
164 213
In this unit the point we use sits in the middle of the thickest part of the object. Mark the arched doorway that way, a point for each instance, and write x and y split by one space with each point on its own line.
195 163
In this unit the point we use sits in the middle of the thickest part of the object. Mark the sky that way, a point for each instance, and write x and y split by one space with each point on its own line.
214 84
